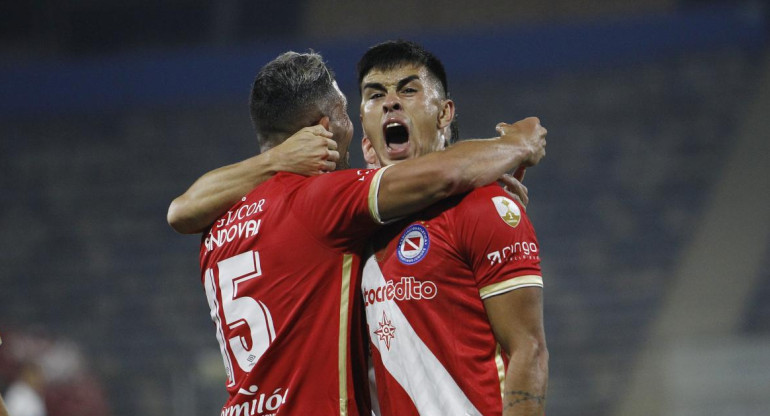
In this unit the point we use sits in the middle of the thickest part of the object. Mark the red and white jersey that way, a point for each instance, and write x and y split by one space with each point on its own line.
433 349
281 270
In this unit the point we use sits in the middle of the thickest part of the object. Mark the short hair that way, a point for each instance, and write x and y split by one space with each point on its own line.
394 53
290 92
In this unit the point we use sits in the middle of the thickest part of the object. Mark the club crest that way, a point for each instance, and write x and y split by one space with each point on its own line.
413 245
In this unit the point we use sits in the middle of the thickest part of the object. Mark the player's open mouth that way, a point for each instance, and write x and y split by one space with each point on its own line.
396 139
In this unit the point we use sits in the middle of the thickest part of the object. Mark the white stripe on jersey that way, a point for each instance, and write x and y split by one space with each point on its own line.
409 361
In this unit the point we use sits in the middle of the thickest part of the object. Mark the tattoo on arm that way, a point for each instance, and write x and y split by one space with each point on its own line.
516 397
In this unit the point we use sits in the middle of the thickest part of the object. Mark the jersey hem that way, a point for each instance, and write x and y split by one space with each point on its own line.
517 282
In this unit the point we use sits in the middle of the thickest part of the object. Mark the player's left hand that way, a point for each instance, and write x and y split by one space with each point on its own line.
530 134
515 188
310 151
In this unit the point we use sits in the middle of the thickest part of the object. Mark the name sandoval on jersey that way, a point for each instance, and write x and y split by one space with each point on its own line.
235 224
408 288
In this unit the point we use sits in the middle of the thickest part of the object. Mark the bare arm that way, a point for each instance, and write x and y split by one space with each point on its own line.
309 151
517 321
417 183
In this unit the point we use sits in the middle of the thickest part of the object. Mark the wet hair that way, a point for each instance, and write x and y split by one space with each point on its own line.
292 91
394 53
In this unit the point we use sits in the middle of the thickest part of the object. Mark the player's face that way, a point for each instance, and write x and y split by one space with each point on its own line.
342 128
403 113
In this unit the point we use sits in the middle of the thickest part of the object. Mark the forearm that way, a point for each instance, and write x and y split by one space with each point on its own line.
478 162
417 183
310 151
216 191
526 383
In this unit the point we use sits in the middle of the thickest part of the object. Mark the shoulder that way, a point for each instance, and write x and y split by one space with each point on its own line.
340 177
286 178
490 198
320 184
490 210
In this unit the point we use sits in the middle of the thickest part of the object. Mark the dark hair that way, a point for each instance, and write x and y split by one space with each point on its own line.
292 91
394 53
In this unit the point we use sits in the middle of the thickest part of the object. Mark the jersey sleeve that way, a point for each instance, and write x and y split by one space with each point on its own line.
496 236
340 207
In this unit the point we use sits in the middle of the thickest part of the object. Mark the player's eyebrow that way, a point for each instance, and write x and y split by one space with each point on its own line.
406 80
374 86
400 84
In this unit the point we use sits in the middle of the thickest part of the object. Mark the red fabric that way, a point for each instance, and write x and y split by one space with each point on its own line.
288 239
434 266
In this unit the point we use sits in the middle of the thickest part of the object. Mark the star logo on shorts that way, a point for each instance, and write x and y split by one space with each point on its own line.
386 331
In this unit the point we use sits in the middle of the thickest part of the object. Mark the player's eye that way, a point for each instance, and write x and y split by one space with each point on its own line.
376 95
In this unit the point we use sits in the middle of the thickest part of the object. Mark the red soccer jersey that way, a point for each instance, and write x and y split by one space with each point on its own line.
281 270
433 349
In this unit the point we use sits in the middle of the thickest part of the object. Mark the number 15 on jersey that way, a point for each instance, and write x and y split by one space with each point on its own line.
247 329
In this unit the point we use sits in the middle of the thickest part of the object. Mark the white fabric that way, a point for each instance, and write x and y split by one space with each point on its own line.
410 362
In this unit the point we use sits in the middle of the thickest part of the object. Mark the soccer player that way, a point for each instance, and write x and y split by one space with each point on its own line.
453 295
281 268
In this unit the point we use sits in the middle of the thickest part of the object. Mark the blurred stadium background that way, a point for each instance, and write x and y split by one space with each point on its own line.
651 206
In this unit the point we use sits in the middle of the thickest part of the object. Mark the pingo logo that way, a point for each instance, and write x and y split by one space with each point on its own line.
413 245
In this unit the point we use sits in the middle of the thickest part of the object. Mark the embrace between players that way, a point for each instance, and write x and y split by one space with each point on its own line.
419 267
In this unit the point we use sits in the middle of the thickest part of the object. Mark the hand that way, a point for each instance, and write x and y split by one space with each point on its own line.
530 134
310 151
515 188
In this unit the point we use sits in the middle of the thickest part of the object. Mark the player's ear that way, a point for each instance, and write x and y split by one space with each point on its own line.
447 113
369 155
324 122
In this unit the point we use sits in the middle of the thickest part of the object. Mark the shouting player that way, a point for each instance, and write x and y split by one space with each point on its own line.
453 295
281 268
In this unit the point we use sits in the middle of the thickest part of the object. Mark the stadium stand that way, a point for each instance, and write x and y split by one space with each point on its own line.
634 148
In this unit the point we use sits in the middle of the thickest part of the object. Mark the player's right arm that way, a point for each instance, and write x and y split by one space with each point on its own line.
414 184
516 318
310 151
497 239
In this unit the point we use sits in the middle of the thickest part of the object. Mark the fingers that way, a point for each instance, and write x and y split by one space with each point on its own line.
328 166
533 135
540 146
329 156
333 156
519 174
515 188
529 125
319 130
